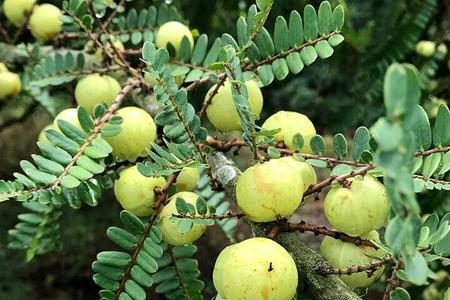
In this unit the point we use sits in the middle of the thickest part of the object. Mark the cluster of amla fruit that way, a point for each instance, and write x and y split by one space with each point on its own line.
45 20
274 189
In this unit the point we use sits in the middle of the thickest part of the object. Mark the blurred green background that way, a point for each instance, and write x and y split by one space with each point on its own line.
338 94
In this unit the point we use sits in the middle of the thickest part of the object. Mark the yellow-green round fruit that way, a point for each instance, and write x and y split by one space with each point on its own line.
173 32
270 190
359 208
255 269
307 173
222 112
3 68
95 89
291 123
138 131
135 192
219 297
344 254
15 10
42 138
187 179
45 22
447 294
168 225
426 48
10 85
69 115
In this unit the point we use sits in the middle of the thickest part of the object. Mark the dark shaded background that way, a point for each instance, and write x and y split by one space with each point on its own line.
333 93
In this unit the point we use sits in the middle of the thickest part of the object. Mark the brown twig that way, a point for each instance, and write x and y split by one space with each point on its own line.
162 194
393 281
431 179
302 227
229 215
211 95
5 34
369 268
319 186
24 25
113 15
433 150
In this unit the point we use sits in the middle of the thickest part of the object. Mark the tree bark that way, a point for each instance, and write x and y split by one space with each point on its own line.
307 260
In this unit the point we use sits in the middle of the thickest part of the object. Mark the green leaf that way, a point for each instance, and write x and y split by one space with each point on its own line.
273 152
199 50
422 129
335 40
316 163
295 29
85 119
265 43
401 90
47 165
122 238
325 16
431 164
294 62
298 141
317 144
308 55
40 176
310 28
110 130
341 169
399 294
263 4
416 269
281 35
201 206
70 182
62 141
80 173
340 145
324 50
135 290
90 165
184 225
266 74
441 130
280 68
360 142
338 17
133 223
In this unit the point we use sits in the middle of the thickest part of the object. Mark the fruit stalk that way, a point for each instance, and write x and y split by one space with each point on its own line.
306 259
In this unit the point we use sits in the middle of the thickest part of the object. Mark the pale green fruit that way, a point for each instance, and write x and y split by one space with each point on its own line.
138 131
255 269
42 138
447 294
270 190
95 89
3 68
222 112
168 225
187 179
219 297
291 123
359 208
173 32
307 173
45 22
15 10
70 115
10 85
135 192
344 254
426 48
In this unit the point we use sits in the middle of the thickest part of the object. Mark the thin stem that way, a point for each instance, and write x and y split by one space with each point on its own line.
433 150
393 281
24 25
113 14
369 268
178 272
230 215
5 34
162 194
211 96
431 179
302 227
